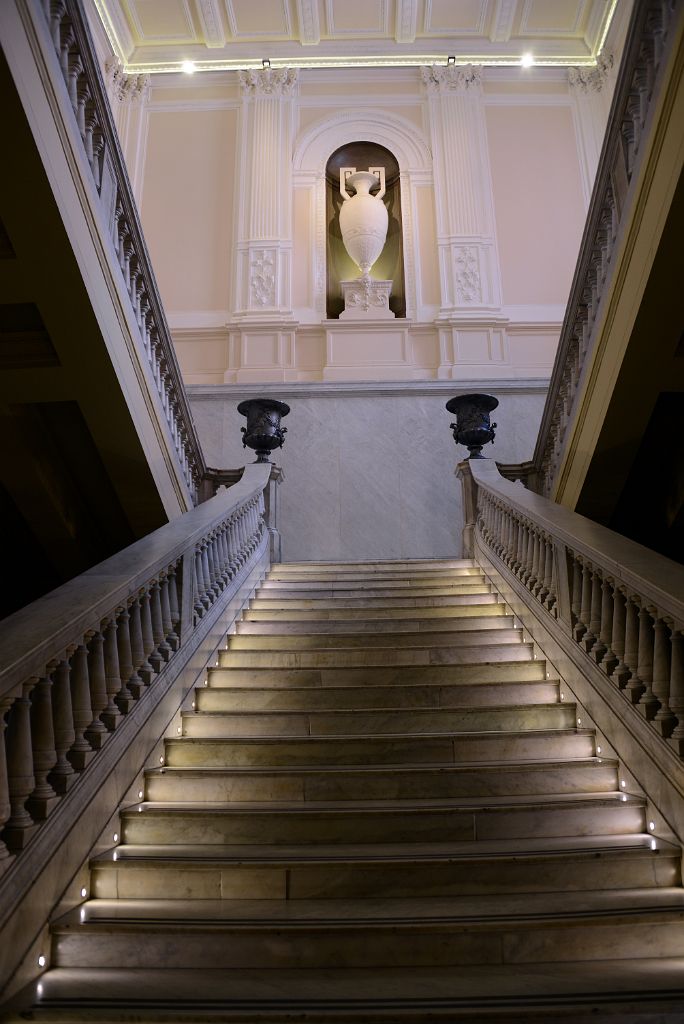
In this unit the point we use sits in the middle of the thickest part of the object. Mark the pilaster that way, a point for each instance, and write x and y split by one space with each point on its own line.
128 97
591 90
468 260
264 248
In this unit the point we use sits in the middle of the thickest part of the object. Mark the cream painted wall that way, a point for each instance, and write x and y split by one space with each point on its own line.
538 202
188 205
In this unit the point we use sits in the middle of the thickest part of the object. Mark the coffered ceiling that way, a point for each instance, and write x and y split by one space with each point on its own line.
159 35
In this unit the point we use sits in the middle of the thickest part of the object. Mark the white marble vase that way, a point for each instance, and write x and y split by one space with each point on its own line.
363 217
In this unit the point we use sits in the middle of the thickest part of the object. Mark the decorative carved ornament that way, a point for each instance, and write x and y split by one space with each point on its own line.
467 276
126 88
591 79
262 278
268 82
442 78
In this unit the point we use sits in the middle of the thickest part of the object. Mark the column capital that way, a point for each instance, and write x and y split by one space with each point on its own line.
126 88
591 79
445 78
268 82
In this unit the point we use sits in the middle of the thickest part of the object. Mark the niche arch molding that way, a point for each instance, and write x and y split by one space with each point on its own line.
313 149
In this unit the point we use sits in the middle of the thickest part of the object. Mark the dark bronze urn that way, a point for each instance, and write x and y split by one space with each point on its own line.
263 432
472 427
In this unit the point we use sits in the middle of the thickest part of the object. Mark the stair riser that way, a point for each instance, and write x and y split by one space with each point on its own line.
377 581
494 619
353 946
394 784
370 618
486 651
346 723
301 591
161 880
331 698
377 750
174 828
490 632
398 577
483 672
407 565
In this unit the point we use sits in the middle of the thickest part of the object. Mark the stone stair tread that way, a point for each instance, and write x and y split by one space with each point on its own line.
341 807
377 656
381 769
493 630
385 994
297 713
531 905
369 736
631 844
274 603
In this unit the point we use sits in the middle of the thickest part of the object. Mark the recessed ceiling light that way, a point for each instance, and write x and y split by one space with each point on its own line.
188 67
527 60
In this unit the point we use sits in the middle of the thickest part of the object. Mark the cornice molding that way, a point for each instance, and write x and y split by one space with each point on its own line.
364 389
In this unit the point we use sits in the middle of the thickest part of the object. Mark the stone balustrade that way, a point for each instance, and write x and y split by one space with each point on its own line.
621 604
78 661
629 128
79 67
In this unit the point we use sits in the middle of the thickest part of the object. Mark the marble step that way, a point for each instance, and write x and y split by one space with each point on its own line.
377 750
373 617
399 564
382 821
398 935
345 871
314 591
334 604
373 576
279 636
360 675
487 649
429 695
638 990
394 782
377 721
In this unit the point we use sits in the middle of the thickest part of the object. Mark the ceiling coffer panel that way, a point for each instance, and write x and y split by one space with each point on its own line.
154 22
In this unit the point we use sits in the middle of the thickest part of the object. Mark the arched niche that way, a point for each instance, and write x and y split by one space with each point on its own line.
339 265
310 158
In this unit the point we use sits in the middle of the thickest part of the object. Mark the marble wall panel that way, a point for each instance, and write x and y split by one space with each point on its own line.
367 476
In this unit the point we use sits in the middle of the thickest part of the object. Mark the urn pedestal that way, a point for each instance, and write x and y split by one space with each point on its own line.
366 299
263 432
473 427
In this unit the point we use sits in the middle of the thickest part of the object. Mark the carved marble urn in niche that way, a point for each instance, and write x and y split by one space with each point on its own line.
363 224
473 427
263 432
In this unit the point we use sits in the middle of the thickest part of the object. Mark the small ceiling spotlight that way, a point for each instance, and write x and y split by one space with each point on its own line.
451 60
188 67
265 63
527 60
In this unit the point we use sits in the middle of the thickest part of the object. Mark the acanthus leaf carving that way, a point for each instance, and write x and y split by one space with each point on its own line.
451 77
268 81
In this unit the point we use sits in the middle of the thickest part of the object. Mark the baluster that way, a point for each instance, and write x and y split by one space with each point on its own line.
240 538
224 557
628 676
174 603
150 665
20 779
232 547
590 638
677 689
5 809
661 677
524 541
207 598
549 575
43 798
136 683
111 715
96 733
125 699
167 624
534 573
213 567
158 623
601 651
199 583
617 639
647 700
81 708
576 595
582 626
62 775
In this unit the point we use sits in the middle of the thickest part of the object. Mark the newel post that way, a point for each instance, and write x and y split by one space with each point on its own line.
465 475
272 503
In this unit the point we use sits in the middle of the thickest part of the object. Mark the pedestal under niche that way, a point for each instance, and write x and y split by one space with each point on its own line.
368 350
366 299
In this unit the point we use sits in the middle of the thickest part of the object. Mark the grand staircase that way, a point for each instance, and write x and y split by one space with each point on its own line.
380 808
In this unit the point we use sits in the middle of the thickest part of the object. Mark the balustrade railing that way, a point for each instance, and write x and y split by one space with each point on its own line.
651 29
76 662
622 605
80 69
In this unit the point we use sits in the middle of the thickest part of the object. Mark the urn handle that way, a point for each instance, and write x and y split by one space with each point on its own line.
345 172
379 173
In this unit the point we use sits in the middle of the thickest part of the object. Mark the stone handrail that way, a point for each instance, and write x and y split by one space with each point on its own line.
77 661
624 148
621 605
79 66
